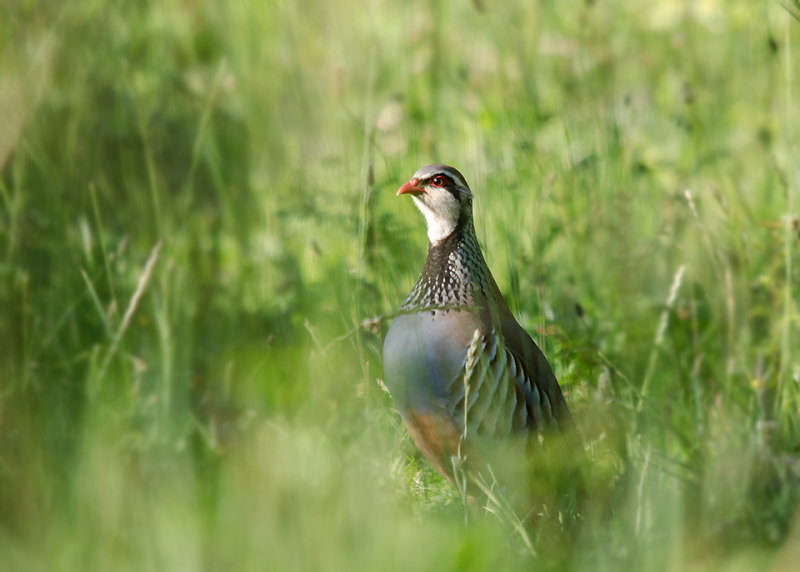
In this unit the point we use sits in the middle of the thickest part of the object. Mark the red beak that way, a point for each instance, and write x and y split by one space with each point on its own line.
410 188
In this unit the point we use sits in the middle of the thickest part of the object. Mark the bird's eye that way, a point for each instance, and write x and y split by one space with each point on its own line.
437 181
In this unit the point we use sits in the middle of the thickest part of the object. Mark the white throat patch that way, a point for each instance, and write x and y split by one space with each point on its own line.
441 211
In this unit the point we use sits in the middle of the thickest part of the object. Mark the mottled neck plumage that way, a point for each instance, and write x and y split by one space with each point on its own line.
455 273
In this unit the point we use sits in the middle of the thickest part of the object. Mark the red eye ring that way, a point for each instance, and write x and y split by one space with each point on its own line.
437 181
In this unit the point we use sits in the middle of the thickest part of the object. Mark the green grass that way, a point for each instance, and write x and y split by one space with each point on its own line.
198 220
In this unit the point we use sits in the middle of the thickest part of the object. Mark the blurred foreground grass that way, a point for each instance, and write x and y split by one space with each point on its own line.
198 214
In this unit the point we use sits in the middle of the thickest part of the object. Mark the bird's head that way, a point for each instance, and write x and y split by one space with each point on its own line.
443 196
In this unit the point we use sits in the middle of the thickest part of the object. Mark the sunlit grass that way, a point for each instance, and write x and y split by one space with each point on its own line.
201 248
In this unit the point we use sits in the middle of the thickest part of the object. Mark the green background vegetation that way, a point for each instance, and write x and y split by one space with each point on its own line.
198 224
